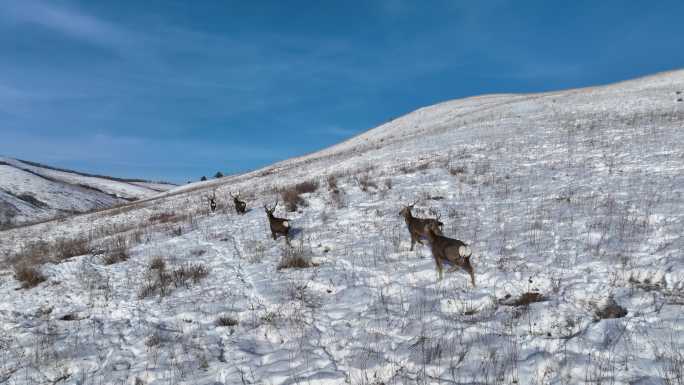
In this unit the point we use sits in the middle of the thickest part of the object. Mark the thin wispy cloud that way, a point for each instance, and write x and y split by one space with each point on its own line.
65 20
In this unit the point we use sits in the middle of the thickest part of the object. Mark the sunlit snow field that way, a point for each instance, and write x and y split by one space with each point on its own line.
573 198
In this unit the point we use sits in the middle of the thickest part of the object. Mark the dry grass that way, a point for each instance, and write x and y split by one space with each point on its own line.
225 321
365 183
292 199
296 258
163 218
332 184
306 187
29 276
610 310
292 195
157 263
69 248
455 171
115 256
524 300
159 279
190 272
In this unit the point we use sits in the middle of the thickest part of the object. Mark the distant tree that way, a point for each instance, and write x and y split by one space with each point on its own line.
218 175
204 178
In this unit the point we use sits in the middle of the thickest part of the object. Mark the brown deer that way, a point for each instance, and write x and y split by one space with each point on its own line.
279 226
450 251
417 227
240 206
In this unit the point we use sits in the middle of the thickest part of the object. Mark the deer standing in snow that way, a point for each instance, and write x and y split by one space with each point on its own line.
240 206
279 226
212 201
449 251
417 227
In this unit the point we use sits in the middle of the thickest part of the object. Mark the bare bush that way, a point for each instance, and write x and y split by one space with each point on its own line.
158 279
69 248
225 321
523 300
332 183
365 183
29 276
460 170
292 199
165 217
295 257
306 187
292 195
115 256
190 272
157 263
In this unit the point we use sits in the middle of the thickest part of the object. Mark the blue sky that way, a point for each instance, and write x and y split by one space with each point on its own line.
175 90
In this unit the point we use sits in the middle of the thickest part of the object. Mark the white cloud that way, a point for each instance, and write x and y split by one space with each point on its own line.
67 21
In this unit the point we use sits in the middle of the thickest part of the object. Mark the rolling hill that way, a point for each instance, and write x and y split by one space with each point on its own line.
31 192
572 202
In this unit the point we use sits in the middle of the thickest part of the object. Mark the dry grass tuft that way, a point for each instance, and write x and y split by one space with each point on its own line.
295 258
159 279
292 195
524 299
157 263
112 257
191 272
226 321
365 183
29 276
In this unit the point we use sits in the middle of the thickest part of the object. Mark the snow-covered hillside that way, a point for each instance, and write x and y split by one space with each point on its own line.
571 201
30 192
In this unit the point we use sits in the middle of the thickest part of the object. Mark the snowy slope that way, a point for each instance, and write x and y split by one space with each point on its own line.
573 197
30 192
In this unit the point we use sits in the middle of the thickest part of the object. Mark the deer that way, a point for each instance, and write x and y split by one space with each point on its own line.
279 226
417 227
240 206
450 251
212 201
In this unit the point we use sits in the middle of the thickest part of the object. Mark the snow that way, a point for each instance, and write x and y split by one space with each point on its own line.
61 192
575 195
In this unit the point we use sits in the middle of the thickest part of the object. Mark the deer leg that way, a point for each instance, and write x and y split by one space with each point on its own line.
413 242
273 234
438 265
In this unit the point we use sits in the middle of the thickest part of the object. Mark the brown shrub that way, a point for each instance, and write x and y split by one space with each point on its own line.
524 299
306 187
163 218
191 272
332 183
365 183
292 195
157 263
610 310
29 276
112 257
454 171
292 199
159 280
225 321
295 258
69 248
